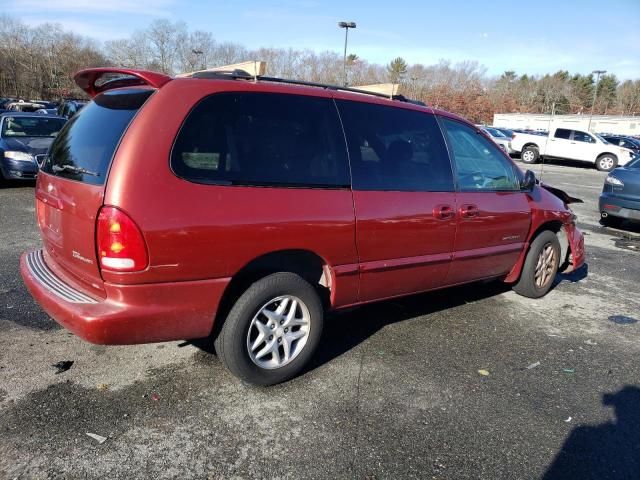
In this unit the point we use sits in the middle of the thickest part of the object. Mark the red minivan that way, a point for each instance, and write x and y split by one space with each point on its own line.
244 208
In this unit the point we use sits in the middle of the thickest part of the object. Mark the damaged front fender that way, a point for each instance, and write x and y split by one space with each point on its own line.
561 194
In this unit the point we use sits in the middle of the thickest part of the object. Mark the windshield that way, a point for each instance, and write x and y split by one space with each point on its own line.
31 126
600 137
635 163
496 133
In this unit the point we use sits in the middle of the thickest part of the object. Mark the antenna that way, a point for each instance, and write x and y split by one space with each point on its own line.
553 111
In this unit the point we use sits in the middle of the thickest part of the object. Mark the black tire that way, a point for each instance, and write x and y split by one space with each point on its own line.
606 162
530 155
526 285
610 221
231 343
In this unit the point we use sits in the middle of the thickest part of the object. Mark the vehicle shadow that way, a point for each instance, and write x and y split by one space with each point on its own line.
344 330
573 277
622 226
17 183
607 451
561 162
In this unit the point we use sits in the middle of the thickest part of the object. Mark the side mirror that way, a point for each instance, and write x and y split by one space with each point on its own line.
528 182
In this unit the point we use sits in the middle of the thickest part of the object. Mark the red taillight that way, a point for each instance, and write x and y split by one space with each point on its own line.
121 247
513 135
40 213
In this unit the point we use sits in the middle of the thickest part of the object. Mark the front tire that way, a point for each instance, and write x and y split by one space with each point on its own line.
530 155
540 266
272 330
606 163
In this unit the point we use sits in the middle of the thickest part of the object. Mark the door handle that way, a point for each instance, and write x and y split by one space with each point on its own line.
443 212
469 210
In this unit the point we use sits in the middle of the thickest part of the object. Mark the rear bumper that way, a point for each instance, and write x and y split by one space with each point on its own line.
619 207
129 314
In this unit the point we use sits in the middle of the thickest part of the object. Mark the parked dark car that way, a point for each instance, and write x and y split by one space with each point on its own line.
5 101
68 108
620 198
47 111
47 104
24 137
623 141
244 208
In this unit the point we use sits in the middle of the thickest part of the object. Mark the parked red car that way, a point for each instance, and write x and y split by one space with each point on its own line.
246 208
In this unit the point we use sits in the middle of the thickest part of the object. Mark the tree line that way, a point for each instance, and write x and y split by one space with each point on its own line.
39 62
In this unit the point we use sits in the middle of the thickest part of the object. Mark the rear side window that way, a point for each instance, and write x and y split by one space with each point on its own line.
582 137
84 148
563 133
262 139
395 149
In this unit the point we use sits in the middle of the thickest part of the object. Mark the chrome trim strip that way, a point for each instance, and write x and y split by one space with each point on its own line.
39 269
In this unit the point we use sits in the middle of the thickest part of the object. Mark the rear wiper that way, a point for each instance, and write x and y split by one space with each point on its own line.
73 169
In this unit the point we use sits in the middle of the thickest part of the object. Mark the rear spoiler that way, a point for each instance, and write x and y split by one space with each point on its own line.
98 80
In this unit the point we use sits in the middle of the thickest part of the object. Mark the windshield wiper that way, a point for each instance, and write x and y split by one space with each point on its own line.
73 169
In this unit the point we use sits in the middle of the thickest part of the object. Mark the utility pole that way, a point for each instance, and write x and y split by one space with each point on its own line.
595 95
346 26
198 53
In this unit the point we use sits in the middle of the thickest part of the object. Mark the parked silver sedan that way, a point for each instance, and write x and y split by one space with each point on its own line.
500 138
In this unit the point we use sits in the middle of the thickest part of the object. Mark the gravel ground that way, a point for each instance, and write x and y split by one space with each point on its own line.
394 391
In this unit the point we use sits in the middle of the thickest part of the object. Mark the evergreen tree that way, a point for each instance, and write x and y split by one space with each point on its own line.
397 69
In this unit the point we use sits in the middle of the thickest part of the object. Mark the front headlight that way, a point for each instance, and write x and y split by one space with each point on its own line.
614 181
19 156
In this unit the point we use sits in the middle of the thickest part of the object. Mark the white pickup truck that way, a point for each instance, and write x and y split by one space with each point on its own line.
571 145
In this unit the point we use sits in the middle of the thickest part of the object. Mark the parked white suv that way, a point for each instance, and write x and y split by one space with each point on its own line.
571 145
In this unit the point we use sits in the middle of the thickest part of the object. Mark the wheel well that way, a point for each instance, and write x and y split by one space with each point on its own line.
555 227
530 145
607 153
310 266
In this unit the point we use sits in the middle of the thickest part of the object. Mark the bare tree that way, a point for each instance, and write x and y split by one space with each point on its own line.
40 62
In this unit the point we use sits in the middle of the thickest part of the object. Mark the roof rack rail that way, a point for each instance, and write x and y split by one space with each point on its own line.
242 75
254 70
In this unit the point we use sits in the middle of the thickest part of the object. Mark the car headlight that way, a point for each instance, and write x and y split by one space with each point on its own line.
19 156
614 181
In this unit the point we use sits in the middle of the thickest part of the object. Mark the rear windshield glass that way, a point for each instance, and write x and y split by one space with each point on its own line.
84 148
31 126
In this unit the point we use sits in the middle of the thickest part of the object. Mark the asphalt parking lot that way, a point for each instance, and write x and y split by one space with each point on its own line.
395 390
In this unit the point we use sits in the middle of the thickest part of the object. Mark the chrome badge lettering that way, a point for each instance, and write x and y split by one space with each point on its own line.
511 237
75 254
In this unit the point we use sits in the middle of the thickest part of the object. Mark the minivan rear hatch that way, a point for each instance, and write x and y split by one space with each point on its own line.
70 190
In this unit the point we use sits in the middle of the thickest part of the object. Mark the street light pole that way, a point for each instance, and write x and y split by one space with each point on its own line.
346 26
595 95
197 52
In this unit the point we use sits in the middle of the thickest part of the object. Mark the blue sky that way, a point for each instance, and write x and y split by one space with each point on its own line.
527 36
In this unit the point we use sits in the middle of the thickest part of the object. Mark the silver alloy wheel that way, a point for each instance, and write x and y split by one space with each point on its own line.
528 156
545 266
606 163
278 332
